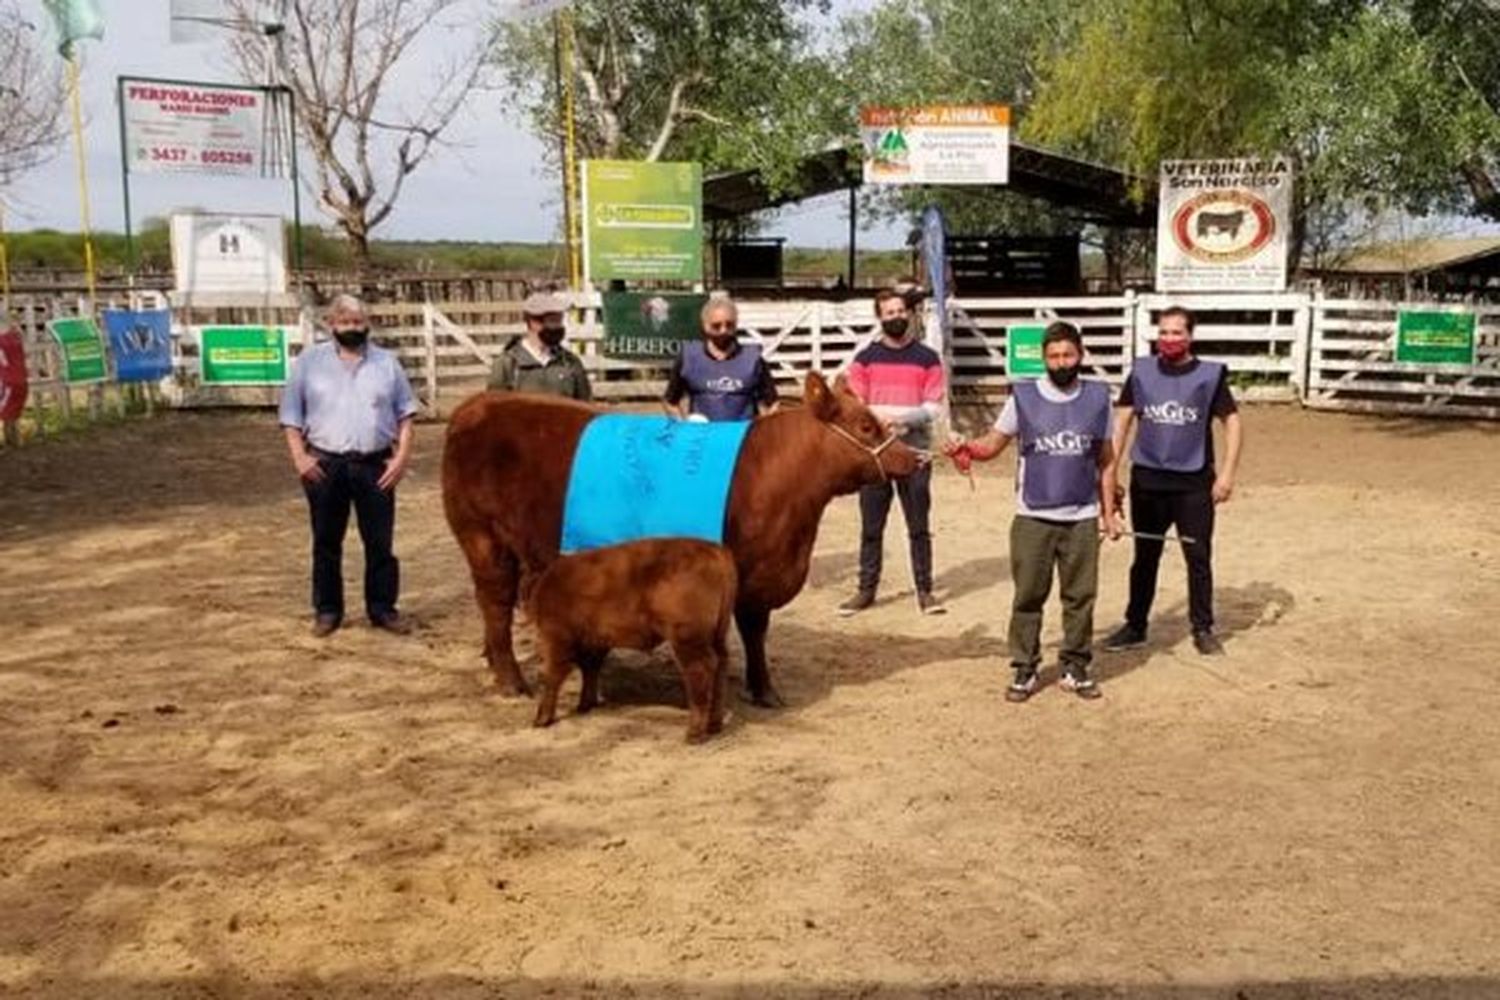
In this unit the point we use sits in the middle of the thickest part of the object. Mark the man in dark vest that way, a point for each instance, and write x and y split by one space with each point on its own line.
1062 425
719 378
1173 481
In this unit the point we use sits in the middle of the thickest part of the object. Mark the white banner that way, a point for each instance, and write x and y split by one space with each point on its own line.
936 144
228 253
198 128
1223 224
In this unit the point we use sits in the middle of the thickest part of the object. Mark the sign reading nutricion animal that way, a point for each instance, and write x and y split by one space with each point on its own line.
642 220
195 128
936 144
1223 225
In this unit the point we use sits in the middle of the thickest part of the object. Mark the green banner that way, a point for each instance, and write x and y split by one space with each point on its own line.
1435 338
1023 352
650 325
643 220
82 349
243 355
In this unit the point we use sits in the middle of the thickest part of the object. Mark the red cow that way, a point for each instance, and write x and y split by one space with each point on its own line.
506 465
638 595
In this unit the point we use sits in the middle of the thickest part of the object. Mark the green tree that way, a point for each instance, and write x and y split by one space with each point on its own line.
730 83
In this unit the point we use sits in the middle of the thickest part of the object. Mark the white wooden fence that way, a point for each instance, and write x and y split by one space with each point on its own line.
1294 346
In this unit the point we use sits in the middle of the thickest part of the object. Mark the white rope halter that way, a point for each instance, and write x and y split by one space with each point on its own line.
874 452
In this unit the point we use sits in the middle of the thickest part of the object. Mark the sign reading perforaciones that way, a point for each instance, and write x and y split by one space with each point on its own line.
642 220
1222 225
936 144
199 128
1435 337
243 355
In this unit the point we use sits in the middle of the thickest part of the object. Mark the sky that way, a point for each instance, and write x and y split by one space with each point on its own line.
488 184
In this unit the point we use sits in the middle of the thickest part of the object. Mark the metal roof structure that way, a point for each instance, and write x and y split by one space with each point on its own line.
1477 254
1094 192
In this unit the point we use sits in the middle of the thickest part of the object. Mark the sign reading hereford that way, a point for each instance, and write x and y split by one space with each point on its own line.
198 128
1223 225
937 144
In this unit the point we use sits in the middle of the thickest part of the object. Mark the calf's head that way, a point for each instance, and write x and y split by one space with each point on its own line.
857 443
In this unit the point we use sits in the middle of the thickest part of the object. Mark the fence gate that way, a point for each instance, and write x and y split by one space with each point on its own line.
1353 364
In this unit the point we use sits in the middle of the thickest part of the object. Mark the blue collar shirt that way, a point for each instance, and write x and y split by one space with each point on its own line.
347 406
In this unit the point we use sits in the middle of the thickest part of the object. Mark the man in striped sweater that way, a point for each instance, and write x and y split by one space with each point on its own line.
901 380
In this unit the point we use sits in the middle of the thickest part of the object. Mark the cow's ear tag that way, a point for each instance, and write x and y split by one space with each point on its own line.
819 398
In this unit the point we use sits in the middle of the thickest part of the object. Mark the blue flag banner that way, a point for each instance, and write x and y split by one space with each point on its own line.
650 477
141 343
935 256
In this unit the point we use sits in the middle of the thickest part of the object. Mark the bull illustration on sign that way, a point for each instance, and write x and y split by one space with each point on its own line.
1209 223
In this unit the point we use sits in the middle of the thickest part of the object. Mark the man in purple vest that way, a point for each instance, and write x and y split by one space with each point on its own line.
1173 481
1062 424
718 378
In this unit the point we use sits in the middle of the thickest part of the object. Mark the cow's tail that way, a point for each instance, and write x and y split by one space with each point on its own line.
728 600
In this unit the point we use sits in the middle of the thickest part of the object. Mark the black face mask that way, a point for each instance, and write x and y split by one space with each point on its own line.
352 339
552 335
895 328
1063 377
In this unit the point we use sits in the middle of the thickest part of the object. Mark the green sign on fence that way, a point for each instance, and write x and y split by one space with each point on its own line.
643 220
649 325
1023 352
82 349
1435 338
243 355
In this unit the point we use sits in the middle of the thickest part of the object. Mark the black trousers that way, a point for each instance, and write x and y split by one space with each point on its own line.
1192 512
351 482
915 493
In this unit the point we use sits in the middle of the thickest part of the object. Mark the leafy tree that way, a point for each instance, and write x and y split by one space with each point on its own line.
729 83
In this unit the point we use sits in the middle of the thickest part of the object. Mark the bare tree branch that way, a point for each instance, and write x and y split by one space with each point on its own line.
339 59
31 96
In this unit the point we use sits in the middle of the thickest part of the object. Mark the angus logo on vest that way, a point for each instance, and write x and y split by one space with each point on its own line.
724 383
1063 443
1223 226
1171 412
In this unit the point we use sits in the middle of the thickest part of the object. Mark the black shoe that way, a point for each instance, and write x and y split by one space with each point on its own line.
325 625
1076 679
1023 684
393 623
859 602
1127 636
1208 644
928 604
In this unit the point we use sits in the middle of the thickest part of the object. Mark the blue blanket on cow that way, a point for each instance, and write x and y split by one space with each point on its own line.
649 477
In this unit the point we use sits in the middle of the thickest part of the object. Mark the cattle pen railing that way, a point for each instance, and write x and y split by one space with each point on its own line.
1295 346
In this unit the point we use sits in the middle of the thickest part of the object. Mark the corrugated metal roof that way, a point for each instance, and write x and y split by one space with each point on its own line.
1416 256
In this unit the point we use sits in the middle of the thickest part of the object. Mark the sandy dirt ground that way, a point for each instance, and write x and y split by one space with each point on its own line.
199 799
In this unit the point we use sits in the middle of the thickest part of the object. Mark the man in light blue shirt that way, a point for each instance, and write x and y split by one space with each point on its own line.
347 414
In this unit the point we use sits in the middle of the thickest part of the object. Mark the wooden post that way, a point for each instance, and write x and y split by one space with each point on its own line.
429 339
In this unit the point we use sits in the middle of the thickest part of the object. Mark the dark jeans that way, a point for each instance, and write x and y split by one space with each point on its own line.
1192 512
1036 546
915 493
346 482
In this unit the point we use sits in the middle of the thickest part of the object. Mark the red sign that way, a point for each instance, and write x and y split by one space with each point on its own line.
12 375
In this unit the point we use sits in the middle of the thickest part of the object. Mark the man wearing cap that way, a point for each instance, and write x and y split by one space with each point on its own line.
347 415
537 361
